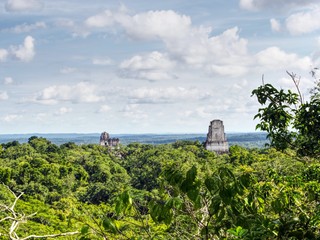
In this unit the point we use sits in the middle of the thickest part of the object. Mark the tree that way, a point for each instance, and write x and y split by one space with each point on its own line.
9 214
289 121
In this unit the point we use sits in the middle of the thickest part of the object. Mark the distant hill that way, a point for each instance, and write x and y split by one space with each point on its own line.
250 140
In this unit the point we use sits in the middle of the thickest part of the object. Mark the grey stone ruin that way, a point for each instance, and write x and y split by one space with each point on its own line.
216 138
105 140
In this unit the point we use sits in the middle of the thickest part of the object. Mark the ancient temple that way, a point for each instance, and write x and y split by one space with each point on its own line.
216 138
105 140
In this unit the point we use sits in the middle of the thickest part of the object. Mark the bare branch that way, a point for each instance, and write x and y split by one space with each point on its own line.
18 218
296 81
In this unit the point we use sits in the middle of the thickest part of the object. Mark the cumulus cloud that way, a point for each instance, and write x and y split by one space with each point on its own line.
3 55
101 20
80 93
190 46
3 96
275 25
185 43
26 51
153 66
274 58
147 25
23 5
300 22
23 28
218 54
304 22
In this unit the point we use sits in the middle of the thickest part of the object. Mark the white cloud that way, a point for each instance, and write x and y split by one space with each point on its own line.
8 80
23 5
154 60
23 28
275 25
304 22
148 25
63 111
247 4
100 20
26 51
153 66
80 93
11 118
275 58
3 96
134 113
104 109
3 55
217 54
193 45
165 25
185 44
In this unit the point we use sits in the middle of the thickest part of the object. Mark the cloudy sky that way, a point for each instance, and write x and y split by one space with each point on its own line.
146 66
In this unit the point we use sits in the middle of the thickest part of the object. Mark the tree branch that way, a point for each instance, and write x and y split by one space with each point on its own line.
296 83
18 218
50 235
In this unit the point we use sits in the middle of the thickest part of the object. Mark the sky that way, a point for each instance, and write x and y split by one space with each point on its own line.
171 66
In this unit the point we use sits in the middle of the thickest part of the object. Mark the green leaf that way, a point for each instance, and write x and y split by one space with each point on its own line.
215 205
109 225
191 174
211 184
84 229
193 194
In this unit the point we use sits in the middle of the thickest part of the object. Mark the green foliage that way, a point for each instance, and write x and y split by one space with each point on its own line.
277 117
307 123
172 191
290 122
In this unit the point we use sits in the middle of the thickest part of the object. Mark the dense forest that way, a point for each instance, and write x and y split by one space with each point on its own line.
170 191
173 191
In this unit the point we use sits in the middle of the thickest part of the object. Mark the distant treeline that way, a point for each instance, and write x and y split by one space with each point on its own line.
251 140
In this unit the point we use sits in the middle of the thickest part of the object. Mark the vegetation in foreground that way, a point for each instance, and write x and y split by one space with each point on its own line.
175 191
170 191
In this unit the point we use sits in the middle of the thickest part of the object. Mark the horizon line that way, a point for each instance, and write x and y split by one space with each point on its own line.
147 133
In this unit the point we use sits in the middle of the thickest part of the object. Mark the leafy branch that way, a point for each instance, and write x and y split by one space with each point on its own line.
17 218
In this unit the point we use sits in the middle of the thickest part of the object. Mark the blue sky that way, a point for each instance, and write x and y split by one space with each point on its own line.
148 66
